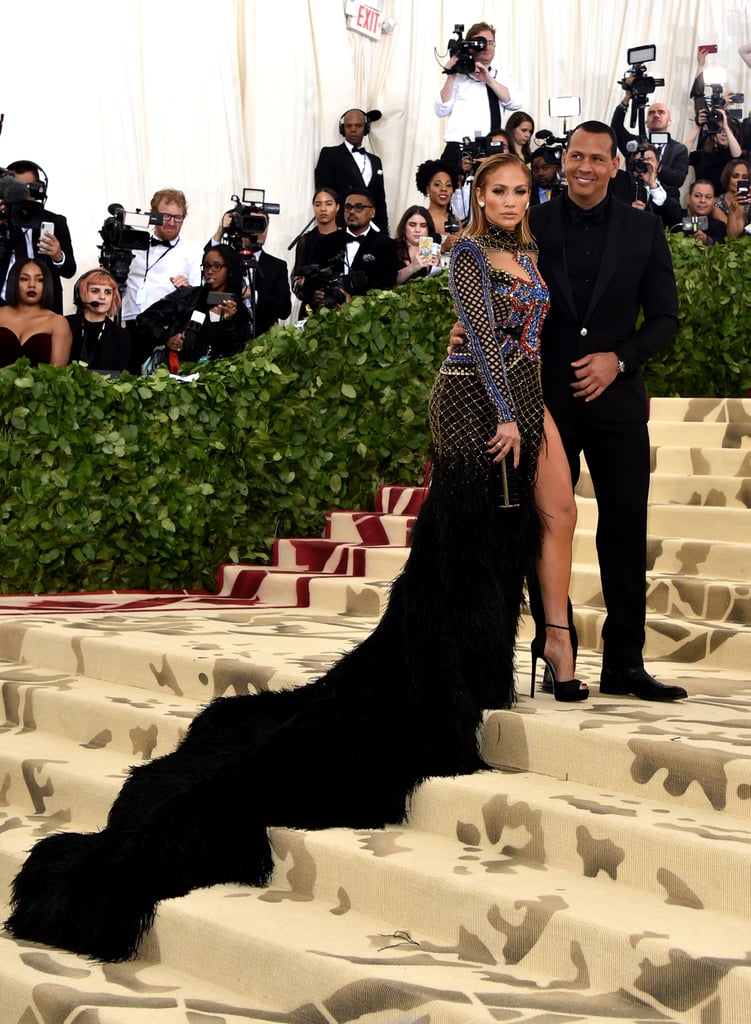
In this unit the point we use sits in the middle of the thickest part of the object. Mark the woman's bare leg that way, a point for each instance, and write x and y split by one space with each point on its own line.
554 496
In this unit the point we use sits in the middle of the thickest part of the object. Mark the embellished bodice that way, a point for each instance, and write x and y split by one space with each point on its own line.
37 348
502 314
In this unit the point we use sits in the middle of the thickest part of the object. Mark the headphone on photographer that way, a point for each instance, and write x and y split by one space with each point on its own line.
369 115
24 166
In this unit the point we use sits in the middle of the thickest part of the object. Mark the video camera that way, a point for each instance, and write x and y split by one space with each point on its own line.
642 84
481 146
552 146
20 211
329 279
715 103
465 51
690 225
249 219
123 233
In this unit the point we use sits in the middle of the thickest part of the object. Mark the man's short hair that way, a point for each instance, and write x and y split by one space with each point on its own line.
25 167
699 181
169 195
364 192
597 128
476 29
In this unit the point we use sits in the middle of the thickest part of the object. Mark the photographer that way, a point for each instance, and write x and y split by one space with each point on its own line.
672 155
52 246
318 247
475 101
716 145
643 189
171 261
698 220
266 290
546 182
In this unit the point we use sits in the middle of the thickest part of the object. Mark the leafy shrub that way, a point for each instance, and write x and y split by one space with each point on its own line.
153 483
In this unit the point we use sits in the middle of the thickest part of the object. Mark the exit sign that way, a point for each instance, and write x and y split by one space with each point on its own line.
364 18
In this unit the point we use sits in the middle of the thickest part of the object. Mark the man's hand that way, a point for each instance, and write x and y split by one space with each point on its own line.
50 246
594 373
180 281
457 337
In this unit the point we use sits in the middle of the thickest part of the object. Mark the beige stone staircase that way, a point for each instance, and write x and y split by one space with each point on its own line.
602 872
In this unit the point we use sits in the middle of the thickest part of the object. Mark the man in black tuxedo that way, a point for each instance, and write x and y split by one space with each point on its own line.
673 156
273 300
370 257
348 167
52 247
604 263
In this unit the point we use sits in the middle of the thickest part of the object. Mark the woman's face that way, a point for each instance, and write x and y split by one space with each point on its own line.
523 133
506 195
30 285
101 293
215 271
325 209
415 229
738 173
440 189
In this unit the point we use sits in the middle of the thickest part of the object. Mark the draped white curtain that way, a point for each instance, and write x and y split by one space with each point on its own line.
116 100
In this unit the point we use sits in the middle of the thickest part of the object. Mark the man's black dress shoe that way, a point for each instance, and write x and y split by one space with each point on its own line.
639 682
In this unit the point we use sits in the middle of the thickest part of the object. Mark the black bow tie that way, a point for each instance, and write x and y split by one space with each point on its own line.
358 149
160 241
354 238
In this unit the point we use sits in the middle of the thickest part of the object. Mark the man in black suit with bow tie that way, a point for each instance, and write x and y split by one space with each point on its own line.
53 247
605 263
349 167
370 257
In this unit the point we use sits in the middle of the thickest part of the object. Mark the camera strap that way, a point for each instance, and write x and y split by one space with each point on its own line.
495 111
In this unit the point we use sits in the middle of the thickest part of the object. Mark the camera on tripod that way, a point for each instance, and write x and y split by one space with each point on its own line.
642 84
481 146
465 51
248 220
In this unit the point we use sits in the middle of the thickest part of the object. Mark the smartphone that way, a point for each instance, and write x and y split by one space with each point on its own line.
708 48
742 190
217 298
46 228
425 248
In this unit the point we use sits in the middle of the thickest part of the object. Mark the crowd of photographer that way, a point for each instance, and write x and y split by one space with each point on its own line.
160 298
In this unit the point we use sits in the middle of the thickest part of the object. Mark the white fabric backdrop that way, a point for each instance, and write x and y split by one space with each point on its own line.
118 99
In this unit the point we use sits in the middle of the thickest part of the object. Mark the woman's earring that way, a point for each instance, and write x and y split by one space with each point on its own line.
481 202
527 206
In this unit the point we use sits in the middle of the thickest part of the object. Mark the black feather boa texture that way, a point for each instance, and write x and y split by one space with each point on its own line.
346 750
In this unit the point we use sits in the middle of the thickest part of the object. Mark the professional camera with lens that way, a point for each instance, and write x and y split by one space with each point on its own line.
465 51
123 233
642 84
248 220
714 104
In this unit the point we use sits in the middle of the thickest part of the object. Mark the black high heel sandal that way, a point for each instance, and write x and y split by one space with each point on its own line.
568 691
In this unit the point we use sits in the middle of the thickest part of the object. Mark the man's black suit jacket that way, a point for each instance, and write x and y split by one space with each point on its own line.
636 274
377 259
272 287
62 234
337 169
673 160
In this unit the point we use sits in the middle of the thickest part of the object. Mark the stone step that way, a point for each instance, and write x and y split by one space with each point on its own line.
701 433
691 410
672 460
689 522
368 528
685 490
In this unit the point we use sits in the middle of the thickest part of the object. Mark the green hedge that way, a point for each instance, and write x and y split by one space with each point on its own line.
152 483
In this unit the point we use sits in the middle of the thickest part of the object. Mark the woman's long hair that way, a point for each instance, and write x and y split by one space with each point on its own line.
478 222
402 246
517 118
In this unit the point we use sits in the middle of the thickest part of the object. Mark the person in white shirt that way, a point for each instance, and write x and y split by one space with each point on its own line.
475 104
170 262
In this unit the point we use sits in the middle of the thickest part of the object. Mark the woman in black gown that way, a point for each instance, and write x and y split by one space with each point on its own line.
407 703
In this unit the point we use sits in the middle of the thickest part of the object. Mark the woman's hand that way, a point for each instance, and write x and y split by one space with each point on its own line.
506 439
175 343
227 309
